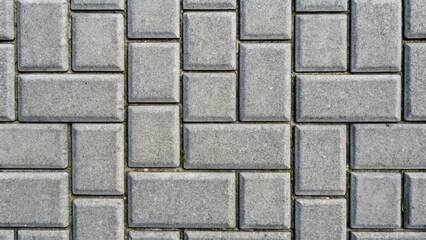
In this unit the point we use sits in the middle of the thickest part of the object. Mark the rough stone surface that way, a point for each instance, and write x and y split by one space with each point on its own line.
415 200
7 31
42 235
7 235
415 81
154 235
242 146
184 200
348 98
321 5
195 235
415 19
265 200
97 4
388 236
209 4
7 82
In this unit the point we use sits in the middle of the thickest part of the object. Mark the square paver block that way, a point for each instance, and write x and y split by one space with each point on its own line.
34 199
209 41
71 98
33 146
415 81
98 159
204 235
321 5
7 235
265 82
42 235
98 219
320 160
42 32
209 97
265 200
376 30
388 146
320 219
209 4
7 20
388 236
265 19
415 199
321 43
7 82
348 98
154 72
237 146
415 18
153 135
375 200
97 4
153 18
97 42
182 200
154 235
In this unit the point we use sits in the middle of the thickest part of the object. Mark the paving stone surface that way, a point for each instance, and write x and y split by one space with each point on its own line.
415 199
154 235
321 5
7 82
7 235
415 19
198 235
415 73
388 236
97 4
7 31
209 4
42 235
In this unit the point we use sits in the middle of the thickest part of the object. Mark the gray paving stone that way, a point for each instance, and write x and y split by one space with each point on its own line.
182 200
97 4
388 236
321 5
375 200
153 18
320 219
348 98
98 219
203 235
320 160
7 20
42 235
376 30
98 159
415 75
265 200
42 34
71 98
237 146
415 200
209 41
97 42
265 82
265 19
33 146
388 146
154 235
209 97
321 43
34 199
154 72
153 135
7 235
415 18
7 82
209 4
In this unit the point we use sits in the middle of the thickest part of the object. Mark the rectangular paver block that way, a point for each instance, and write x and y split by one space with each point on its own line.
97 4
154 72
42 235
7 82
182 200
153 135
154 235
237 146
265 200
209 4
415 81
98 219
98 159
348 98
320 160
7 20
320 219
376 30
388 146
34 199
209 40
321 5
265 82
415 18
375 200
203 235
415 200
7 235
388 236
71 98
42 32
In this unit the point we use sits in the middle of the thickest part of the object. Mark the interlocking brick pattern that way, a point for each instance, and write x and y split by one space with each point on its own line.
212 119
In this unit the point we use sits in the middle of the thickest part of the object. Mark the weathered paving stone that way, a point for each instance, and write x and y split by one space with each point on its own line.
97 42
97 4
71 98
388 146
237 146
98 219
415 200
375 200
33 146
265 19
154 72
209 4
415 18
182 200
415 87
42 235
154 235
42 30
376 30
6 20
209 97
320 219
153 136
388 236
321 5
204 235
97 159
320 160
348 98
7 82
153 18
7 235
321 43
265 200
209 41
34 199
